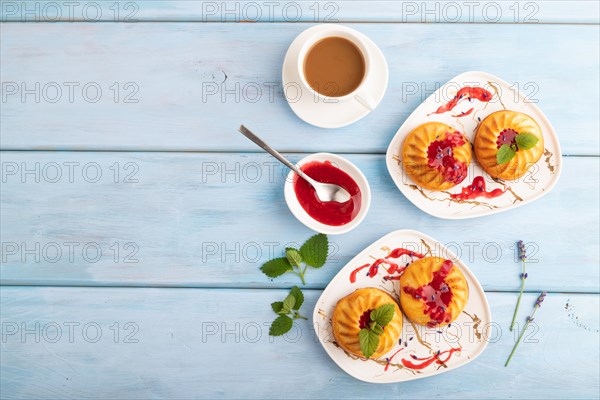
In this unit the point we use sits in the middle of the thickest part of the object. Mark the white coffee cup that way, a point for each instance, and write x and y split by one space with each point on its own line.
360 94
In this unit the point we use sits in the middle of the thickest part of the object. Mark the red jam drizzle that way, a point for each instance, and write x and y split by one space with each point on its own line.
436 295
477 189
330 212
507 136
464 113
427 361
364 319
394 268
440 155
389 360
466 93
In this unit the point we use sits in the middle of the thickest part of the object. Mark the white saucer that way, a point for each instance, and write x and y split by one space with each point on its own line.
330 114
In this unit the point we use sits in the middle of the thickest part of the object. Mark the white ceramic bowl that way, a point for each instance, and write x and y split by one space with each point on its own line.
347 167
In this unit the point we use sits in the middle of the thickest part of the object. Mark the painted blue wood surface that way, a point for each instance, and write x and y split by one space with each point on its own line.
171 69
210 220
207 220
522 11
198 343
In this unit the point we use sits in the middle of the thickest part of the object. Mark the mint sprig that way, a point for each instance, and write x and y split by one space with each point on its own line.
288 312
505 154
312 253
276 267
523 141
526 140
314 250
369 336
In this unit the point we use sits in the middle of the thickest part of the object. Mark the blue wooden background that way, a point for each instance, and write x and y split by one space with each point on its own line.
135 218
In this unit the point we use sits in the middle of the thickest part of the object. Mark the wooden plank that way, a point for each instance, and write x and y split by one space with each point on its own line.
210 220
187 86
525 12
195 343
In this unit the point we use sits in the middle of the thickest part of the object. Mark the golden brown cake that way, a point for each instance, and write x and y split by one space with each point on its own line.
436 156
502 128
352 313
433 291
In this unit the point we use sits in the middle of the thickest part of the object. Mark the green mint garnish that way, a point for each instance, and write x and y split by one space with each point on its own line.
314 250
276 267
281 325
277 306
369 336
526 140
313 253
289 303
293 256
298 296
383 315
369 341
505 154
288 312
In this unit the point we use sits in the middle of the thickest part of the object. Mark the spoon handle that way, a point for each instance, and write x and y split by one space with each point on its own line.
246 132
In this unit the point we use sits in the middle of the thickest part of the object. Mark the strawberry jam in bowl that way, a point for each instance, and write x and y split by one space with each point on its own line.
328 217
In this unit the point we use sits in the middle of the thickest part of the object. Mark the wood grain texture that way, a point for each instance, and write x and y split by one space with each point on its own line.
197 343
544 11
211 220
204 222
195 83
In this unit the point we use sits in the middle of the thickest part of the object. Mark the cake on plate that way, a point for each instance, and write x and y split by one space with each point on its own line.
353 314
436 156
433 291
508 143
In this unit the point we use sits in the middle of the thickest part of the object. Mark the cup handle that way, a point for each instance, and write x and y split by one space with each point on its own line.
366 101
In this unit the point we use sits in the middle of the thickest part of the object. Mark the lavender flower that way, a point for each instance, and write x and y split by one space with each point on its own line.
521 249
540 299
528 320
522 276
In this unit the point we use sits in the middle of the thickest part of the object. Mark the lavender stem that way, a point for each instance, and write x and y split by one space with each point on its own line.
538 304
520 337
523 277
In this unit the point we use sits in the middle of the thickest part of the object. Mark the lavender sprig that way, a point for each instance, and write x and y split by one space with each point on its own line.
523 276
538 304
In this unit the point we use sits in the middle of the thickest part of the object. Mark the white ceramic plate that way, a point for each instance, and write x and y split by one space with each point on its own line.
347 167
469 331
539 180
330 114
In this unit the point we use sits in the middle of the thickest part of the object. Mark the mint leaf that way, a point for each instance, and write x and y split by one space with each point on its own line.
377 329
293 256
277 306
314 250
289 303
298 296
369 341
505 154
383 314
276 267
281 325
526 140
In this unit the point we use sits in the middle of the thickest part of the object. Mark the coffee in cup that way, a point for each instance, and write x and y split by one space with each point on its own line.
334 66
